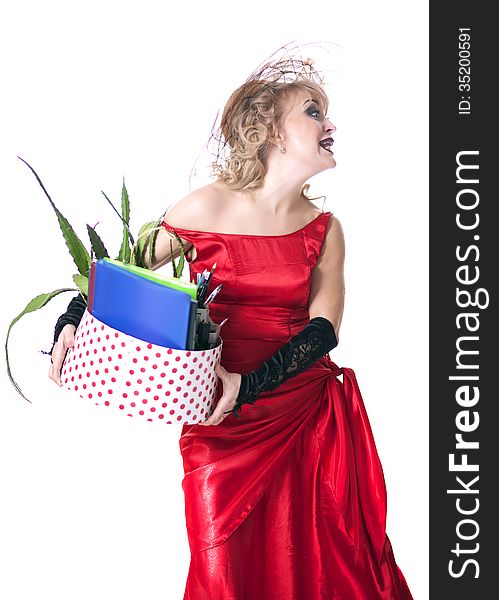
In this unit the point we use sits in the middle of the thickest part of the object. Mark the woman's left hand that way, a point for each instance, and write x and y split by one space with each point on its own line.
231 384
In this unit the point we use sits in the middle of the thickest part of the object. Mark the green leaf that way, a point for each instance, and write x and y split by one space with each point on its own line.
177 269
173 262
146 233
34 304
82 284
181 262
77 250
152 245
97 244
125 224
125 251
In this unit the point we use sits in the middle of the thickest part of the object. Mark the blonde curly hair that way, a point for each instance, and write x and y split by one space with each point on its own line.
251 117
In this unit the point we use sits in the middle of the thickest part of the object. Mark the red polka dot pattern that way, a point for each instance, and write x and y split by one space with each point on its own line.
136 378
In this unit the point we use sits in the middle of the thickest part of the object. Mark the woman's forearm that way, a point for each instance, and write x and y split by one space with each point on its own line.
315 340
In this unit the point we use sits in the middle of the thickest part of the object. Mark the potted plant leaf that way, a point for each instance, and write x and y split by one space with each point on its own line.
132 251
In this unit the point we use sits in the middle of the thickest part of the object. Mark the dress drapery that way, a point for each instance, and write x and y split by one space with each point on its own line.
288 502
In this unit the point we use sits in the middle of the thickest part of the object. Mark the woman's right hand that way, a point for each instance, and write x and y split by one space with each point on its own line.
64 341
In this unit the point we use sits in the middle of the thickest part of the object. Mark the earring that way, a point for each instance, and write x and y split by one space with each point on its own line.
283 150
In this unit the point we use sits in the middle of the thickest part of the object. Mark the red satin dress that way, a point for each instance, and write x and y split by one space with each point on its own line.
288 502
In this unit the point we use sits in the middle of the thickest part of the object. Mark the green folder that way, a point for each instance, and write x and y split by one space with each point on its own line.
172 282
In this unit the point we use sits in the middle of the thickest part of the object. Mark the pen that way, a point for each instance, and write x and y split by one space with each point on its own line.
202 293
202 277
202 285
212 295
206 283
218 327
212 271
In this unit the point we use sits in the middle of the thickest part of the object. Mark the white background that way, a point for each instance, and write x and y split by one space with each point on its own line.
91 504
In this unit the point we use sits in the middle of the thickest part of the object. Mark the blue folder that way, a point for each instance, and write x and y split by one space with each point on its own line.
142 308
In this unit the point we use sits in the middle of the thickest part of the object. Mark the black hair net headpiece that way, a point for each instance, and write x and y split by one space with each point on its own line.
292 62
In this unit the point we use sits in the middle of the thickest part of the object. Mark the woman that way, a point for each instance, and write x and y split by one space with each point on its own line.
284 492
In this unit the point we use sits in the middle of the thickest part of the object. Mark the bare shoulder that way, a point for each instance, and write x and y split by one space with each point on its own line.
335 229
334 234
334 243
196 209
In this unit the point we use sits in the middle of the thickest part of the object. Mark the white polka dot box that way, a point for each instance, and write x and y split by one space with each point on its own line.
127 375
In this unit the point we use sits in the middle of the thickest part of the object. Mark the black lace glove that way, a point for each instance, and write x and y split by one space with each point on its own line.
72 316
302 350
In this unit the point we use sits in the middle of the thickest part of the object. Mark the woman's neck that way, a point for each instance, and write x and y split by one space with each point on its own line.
278 197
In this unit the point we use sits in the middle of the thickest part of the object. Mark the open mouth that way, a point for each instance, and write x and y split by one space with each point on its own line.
327 144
